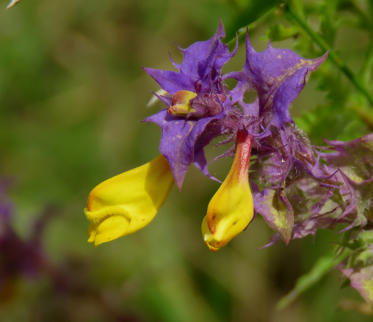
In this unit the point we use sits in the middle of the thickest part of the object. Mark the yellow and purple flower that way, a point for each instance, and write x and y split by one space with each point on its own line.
296 187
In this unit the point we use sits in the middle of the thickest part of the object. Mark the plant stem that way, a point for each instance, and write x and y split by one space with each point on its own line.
251 26
333 56
323 266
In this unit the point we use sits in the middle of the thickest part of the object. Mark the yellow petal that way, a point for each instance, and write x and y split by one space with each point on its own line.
129 201
231 208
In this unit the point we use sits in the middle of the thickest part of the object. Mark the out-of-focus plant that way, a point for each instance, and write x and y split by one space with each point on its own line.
19 257
26 258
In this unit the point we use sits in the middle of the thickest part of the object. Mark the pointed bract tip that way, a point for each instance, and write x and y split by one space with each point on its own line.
234 51
220 32
12 3
158 95
321 59
176 65
248 46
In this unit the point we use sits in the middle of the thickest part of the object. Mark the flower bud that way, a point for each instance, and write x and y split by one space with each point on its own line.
180 104
129 201
231 208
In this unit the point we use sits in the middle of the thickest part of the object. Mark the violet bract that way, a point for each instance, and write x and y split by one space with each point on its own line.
199 76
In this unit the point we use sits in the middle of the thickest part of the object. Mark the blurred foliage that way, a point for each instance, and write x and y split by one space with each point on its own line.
73 93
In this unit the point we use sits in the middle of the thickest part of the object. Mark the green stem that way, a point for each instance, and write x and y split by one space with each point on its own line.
333 56
241 33
367 67
323 266
364 113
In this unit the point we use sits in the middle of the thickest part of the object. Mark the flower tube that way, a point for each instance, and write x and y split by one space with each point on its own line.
231 208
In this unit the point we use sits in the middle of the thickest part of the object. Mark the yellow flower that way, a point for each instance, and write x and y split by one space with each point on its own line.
129 201
231 208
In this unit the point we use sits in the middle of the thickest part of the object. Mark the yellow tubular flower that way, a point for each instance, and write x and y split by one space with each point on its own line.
129 201
231 208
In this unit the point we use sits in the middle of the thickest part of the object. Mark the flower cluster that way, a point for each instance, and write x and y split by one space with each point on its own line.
298 188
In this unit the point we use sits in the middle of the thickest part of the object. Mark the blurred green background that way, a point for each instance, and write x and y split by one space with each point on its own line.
73 94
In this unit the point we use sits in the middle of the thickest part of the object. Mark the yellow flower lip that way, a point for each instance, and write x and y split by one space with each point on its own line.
129 201
213 242
231 208
180 104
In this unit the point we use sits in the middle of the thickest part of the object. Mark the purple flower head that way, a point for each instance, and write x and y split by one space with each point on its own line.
191 122
201 107
292 186
298 188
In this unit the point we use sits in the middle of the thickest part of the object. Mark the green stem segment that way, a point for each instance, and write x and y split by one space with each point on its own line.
323 266
333 56
241 33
